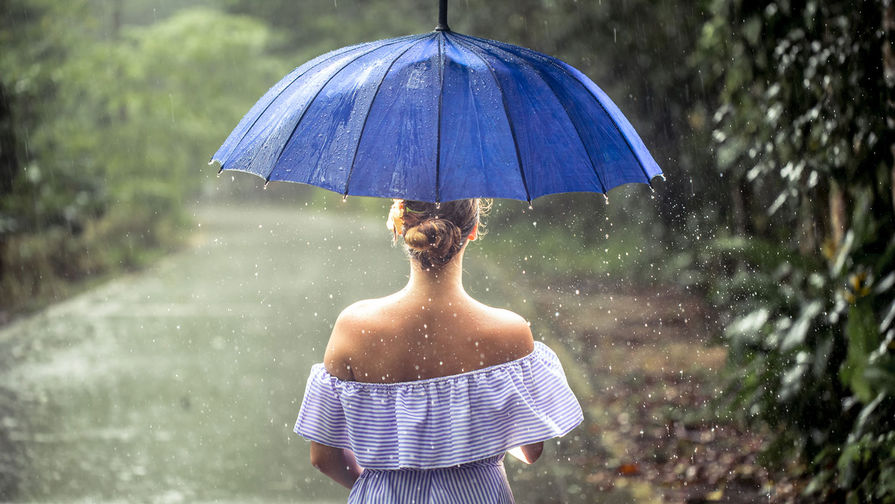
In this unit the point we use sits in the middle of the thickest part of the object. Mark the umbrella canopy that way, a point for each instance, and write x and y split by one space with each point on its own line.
438 117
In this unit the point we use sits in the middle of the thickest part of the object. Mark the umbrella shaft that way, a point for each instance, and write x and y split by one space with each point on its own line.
442 16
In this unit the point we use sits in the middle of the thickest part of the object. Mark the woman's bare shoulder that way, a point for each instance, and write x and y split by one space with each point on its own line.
508 331
366 314
360 320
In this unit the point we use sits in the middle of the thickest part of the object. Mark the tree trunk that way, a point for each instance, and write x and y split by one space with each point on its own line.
889 73
9 163
740 197
117 8
837 214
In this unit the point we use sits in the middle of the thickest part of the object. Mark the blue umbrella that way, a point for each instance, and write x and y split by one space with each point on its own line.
436 117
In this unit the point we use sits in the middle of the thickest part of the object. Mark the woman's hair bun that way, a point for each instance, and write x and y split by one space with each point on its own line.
435 232
435 240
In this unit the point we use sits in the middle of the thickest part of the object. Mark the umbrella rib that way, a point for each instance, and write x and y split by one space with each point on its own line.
299 76
370 108
506 112
553 62
568 114
311 102
614 123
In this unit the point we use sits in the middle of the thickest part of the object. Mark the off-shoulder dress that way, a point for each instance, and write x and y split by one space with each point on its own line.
440 440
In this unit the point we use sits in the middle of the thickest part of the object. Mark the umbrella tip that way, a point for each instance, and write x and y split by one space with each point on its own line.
266 183
344 198
606 198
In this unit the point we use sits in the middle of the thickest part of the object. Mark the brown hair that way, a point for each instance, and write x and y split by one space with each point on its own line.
435 233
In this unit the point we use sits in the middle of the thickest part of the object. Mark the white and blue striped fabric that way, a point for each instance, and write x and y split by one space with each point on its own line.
441 439
480 482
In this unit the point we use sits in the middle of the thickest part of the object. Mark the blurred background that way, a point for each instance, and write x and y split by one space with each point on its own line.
730 335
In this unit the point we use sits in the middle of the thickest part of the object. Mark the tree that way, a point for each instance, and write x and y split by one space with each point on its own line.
107 128
803 126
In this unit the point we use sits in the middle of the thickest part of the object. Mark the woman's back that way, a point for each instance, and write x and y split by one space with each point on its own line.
411 336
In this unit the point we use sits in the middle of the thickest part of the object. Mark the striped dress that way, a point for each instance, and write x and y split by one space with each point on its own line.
440 440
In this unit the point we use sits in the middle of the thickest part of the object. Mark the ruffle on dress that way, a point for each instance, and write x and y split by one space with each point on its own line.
444 421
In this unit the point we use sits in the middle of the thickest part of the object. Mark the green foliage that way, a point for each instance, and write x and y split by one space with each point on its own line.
805 126
111 122
313 27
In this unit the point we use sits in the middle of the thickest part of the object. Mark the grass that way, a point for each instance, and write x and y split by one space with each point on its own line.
54 264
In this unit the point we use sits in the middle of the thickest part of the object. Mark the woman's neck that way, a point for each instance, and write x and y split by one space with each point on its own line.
443 282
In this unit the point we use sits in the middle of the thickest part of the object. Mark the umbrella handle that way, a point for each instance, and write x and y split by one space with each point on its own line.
442 16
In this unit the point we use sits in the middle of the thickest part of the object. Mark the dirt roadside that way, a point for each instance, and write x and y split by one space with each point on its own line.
647 366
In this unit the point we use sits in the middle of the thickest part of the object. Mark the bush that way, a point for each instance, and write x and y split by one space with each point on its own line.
47 265
805 123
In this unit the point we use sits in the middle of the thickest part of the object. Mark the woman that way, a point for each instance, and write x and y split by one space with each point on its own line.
421 393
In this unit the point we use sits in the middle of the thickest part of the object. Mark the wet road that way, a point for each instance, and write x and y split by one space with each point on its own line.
181 383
